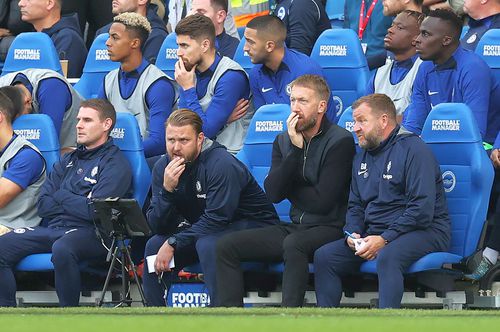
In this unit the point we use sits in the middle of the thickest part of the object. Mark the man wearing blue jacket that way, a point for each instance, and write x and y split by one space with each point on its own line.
276 66
63 30
97 169
159 32
397 207
484 15
450 74
210 85
200 192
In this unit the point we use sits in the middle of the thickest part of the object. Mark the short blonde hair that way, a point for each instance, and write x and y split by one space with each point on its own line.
133 20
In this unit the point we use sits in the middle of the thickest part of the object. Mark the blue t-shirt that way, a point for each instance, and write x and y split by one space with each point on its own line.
25 168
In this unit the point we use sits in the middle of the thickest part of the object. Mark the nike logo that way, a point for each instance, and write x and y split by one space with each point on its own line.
362 172
264 90
432 93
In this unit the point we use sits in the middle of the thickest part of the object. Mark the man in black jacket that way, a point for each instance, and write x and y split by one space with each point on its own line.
311 165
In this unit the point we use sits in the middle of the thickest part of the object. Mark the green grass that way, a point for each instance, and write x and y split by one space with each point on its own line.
243 320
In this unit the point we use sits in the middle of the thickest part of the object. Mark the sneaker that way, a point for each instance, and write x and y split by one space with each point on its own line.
481 270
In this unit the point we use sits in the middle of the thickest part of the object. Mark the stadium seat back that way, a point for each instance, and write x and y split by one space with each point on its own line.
488 48
452 133
39 130
267 122
167 56
339 53
242 57
347 122
97 65
32 50
127 137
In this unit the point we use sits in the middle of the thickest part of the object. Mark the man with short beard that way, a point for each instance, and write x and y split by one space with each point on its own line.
397 207
395 78
311 164
200 192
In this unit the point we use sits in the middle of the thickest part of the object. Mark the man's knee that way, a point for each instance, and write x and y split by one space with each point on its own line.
292 244
322 256
224 246
62 253
153 245
205 246
388 259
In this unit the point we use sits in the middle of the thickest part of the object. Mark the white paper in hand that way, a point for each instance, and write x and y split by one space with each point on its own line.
151 263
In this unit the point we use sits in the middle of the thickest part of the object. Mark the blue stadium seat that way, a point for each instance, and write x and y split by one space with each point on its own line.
339 53
167 56
346 121
488 48
126 136
32 50
267 122
96 67
39 130
242 57
335 11
451 132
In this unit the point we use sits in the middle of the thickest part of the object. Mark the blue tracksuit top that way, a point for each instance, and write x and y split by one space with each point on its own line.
65 197
272 88
69 43
464 78
155 39
226 45
232 86
477 29
305 20
216 189
397 188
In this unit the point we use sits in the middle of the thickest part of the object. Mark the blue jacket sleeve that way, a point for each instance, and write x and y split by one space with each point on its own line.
355 218
420 191
301 31
114 181
416 113
102 93
70 46
161 214
160 98
224 188
25 168
230 88
54 98
47 206
370 87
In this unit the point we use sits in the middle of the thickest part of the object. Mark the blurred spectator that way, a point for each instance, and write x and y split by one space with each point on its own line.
22 171
484 15
394 7
395 78
48 92
158 33
451 74
138 87
10 25
97 13
245 10
304 20
454 5
210 85
366 18
216 10
45 15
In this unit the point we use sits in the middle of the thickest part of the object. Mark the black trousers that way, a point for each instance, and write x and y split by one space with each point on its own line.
289 243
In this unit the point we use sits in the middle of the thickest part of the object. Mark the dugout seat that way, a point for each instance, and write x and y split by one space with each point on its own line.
339 53
32 50
267 122
167 55
126 136
242 57
347 122
451 132
97 65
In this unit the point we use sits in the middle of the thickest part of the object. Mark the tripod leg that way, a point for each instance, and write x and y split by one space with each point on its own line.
123 297
108 276
134 271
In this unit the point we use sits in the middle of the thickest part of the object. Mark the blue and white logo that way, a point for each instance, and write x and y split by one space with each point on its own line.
339 105
281 13
449 181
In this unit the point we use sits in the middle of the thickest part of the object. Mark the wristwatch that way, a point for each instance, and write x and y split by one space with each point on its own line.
172 241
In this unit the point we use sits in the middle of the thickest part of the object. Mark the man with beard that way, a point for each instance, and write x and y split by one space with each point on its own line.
210 85
450 74
311 163
395 78
397 208
138 87
198 183
159 32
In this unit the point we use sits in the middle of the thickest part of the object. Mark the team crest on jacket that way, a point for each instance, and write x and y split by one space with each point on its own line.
198 186
94 171
289 88
388 176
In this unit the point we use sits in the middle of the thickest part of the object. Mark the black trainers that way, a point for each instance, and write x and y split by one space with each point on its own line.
481 270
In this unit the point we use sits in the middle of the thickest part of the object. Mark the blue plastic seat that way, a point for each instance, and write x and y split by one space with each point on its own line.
126 136
167 56
242 57
32 50
96 67
39 130
339 53
451 132
347 122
